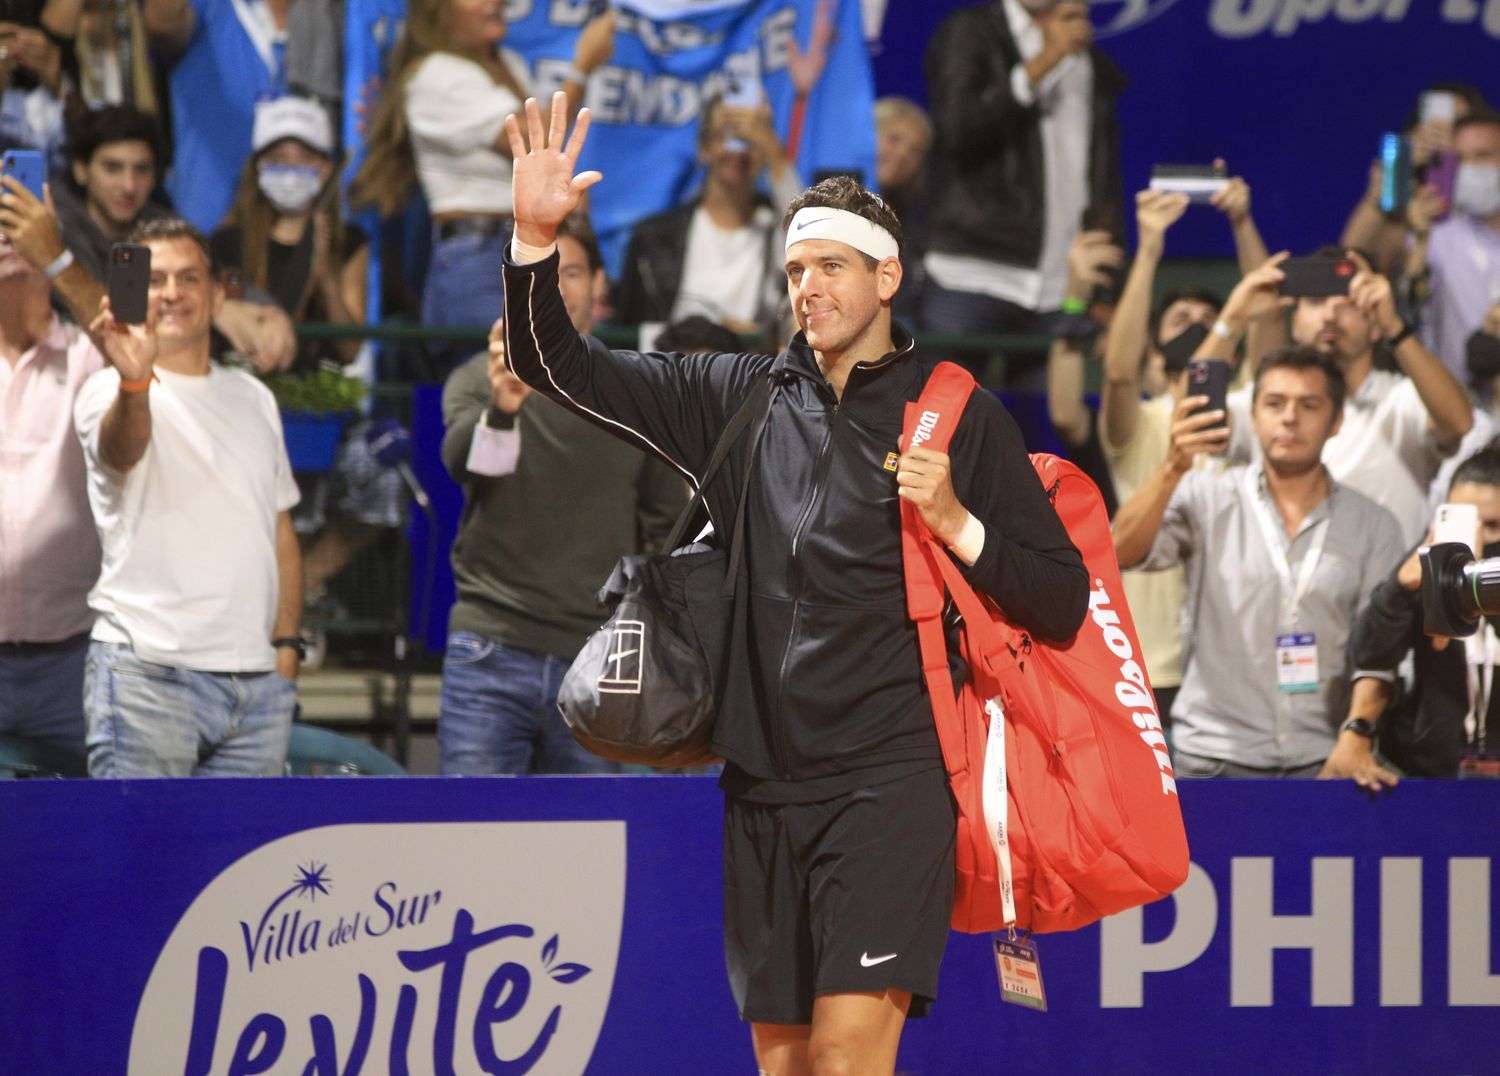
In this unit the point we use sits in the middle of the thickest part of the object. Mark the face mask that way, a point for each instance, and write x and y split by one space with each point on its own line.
1178 350
1482 356
289 188
1476 190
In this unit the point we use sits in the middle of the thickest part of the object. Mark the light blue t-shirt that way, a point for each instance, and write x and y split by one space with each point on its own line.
214 88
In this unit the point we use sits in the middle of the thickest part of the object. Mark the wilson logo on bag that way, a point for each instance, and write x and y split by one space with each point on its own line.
1067 804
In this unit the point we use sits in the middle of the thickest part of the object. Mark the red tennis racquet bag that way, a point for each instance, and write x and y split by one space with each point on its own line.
1067 804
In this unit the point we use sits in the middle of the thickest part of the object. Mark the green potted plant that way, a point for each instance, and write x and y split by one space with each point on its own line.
314 408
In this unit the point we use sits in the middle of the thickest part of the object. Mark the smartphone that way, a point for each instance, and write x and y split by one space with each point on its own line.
129 282
1457 523
740 91
1395 172
1437 105
1209 377
1442 173
1200 182
1317 277
28 167
1180 350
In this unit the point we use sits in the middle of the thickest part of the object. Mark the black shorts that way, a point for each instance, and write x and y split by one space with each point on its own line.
852 894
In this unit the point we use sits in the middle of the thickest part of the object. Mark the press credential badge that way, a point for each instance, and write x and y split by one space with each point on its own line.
1020 971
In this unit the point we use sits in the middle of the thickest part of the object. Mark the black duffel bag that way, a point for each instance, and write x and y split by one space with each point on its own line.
644 689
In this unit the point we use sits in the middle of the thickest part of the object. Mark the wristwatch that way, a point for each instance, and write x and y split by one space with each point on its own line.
1359 725
292 642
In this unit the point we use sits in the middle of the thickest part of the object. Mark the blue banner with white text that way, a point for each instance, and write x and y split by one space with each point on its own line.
670 58
573 924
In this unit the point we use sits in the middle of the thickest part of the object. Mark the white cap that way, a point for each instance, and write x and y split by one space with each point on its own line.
292 117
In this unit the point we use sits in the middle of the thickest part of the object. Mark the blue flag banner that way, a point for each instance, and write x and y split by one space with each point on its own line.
670 58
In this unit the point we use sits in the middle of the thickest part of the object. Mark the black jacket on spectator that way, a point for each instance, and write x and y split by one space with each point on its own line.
989 190
652 277
1423 730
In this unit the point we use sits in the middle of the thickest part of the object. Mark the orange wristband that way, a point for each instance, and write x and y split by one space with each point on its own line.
137 386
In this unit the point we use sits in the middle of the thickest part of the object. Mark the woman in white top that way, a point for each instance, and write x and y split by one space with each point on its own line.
441 122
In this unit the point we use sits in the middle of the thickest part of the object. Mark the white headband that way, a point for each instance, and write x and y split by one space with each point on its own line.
823 222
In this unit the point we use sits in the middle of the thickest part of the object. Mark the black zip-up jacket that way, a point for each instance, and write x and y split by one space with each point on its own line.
989 194
825 677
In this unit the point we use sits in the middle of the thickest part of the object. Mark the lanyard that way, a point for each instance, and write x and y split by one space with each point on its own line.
1481 681
1279 550
1482 261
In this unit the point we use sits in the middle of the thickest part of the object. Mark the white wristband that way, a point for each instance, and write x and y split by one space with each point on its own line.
1223 331
970 541
59 265
525 254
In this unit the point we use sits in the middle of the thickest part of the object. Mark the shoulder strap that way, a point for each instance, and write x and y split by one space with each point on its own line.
938 409
757 406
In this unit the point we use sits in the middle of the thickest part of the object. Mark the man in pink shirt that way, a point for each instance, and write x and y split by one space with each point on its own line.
49 549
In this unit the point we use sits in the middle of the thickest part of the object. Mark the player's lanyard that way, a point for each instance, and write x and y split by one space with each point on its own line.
1279 550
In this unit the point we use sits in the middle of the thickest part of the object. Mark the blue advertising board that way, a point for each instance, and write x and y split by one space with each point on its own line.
1293 94
572 924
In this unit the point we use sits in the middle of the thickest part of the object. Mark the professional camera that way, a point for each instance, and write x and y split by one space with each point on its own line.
1457 590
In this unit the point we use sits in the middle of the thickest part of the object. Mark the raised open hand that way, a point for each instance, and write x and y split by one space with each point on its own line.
544 188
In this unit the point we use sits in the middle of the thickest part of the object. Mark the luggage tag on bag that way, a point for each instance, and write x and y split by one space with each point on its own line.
1020 970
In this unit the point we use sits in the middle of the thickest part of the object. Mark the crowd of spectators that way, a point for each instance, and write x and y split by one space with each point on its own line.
152 579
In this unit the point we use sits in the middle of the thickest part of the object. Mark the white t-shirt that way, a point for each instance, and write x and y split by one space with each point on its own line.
724 270
1385 448
456 111
189 576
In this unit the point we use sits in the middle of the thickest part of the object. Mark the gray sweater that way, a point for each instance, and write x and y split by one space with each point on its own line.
534 546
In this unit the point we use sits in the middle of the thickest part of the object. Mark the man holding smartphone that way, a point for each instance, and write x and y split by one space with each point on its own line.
719 255
115 157
194 653
1463 252
49 553
1280 558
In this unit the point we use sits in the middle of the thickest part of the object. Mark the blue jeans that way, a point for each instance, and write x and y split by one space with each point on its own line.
41 692
499 712
464 288
150 720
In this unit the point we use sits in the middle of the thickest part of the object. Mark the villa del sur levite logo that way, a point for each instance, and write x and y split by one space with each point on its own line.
393 948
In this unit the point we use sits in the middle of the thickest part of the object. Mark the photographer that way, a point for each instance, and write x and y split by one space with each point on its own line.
194 655
1279 557
1435 720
